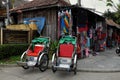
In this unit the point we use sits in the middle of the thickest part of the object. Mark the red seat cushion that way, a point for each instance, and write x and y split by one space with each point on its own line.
66 50
36 51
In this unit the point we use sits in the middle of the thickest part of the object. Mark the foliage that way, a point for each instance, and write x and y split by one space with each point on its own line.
53 48
53 45
12 50
111 4
114 15
10 60
8 50
12 2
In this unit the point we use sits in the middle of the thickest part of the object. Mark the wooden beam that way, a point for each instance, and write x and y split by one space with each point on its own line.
1 30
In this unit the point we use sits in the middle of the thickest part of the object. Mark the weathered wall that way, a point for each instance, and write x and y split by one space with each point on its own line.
50 28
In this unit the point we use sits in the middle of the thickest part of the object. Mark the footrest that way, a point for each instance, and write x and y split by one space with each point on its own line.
66 66
63 66
20 63
31 63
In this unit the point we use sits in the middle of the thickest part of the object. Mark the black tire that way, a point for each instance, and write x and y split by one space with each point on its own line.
25 67
118 54
75 67
55 63
44 63
55 60
117 51
54 69
75 71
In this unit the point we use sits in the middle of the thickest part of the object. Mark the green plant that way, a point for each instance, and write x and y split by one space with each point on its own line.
10 60
8 50
10 53
53 47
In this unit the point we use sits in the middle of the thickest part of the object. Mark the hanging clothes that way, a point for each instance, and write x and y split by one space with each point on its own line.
58 25
88 42
87 52
63 28
78 46
65 22
82 21
90 34
82 28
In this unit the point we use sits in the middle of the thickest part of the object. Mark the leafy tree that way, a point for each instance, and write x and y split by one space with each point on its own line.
111 4
113 15
12 2
117 14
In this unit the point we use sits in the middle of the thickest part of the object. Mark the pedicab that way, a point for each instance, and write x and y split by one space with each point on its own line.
65 57
36 55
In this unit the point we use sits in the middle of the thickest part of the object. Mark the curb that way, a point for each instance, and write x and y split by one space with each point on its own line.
8 65
98 70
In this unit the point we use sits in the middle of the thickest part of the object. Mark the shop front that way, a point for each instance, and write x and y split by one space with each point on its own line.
88 27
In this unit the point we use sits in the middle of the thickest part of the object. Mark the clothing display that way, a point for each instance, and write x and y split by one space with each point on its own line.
88 42
87 52
58 25
64 22
90 34
78 46
82 21
82 28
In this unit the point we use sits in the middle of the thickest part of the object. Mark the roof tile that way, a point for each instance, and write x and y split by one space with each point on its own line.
39 3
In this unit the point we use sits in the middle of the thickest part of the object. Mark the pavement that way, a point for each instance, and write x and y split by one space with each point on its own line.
107 61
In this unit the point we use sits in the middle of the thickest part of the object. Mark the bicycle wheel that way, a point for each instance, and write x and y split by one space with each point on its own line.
44 62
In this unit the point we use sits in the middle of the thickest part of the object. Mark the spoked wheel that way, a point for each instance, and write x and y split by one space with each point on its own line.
117 51
54 69
75 70
25 67
24 59
54 63
75 66
44 63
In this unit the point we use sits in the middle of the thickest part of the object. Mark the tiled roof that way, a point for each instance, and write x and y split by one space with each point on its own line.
40 3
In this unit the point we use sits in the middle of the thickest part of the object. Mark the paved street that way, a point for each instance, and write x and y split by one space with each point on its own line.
104 61
17 73
104 66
